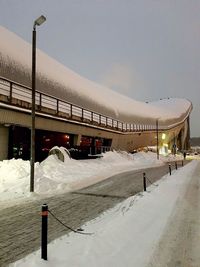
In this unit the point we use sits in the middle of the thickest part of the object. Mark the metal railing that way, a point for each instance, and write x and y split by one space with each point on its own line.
19 95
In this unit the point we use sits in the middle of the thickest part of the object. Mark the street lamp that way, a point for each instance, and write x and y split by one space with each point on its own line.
37 22
157 139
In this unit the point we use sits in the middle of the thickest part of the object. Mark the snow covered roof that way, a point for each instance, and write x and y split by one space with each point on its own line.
57 80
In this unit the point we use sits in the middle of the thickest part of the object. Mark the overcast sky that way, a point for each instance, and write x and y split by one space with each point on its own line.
145 49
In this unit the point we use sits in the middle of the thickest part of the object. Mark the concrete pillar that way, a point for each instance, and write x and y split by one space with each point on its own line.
77 140
187 141
4 133
179 140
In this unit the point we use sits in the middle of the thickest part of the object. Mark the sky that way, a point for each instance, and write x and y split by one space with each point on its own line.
145 49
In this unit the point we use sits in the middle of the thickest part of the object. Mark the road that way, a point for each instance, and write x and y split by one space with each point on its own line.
20 224
180 243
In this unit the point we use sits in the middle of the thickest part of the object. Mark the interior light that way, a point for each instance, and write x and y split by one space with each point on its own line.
163 136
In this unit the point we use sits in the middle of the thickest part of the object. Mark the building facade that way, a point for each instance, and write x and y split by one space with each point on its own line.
76 113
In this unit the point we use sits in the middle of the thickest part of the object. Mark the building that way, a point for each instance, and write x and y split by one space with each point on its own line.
76 113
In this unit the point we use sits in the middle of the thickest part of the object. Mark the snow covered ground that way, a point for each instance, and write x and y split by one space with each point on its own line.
54 177
128 234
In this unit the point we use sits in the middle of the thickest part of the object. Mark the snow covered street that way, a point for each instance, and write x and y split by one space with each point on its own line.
136 231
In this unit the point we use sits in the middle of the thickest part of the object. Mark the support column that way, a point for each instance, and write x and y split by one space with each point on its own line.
77 139
187 141
4 133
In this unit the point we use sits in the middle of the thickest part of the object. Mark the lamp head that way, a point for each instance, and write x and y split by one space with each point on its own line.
39 20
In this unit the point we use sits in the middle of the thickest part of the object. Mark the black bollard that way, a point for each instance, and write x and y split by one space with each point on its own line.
170 169
144 181
176 165
44 231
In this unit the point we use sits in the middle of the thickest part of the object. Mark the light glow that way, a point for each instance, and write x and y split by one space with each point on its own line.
163 136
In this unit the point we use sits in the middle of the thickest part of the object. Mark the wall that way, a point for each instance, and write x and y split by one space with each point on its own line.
123 141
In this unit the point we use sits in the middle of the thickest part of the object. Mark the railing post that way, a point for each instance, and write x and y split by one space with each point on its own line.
40 101
11 90
44 233
144 181
70 110
170 169
92 117
176 165
57 106
82 114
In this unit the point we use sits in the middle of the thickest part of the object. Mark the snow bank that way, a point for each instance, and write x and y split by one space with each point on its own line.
53 176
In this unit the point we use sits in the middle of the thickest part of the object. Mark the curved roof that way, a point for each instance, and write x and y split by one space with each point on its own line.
57 80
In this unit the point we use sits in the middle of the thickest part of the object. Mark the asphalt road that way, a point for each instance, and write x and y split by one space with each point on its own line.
20 225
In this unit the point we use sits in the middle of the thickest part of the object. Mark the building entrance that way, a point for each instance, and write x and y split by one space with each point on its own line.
19 142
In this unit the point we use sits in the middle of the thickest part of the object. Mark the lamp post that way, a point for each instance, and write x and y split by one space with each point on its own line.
157 139
37 22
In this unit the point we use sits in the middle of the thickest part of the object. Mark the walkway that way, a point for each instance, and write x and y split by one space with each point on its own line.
180 243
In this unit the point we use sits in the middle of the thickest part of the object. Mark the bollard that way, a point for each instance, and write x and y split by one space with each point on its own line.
44 231
176 165
170 169
144 181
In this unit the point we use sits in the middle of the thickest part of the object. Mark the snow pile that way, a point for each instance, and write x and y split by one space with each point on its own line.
13 173
172 157
124 236
152 160
53 176
62 153
115 156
